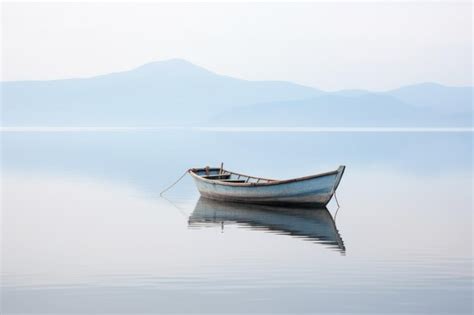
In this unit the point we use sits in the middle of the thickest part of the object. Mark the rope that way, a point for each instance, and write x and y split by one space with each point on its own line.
335 214
181 211
171 186
335 198
338 207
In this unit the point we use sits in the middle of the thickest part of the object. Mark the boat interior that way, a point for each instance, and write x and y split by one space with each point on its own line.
222 175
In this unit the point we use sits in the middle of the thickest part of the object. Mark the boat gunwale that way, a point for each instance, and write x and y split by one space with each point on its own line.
230 172
271 181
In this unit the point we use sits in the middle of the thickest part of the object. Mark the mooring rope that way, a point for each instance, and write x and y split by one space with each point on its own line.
335 198
181 211
338 207
171 186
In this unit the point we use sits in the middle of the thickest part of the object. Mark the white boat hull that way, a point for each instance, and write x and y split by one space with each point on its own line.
314 190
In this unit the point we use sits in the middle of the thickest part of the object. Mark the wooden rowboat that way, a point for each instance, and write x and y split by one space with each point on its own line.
220 184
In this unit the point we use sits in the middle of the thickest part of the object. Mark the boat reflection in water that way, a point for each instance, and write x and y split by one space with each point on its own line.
312 224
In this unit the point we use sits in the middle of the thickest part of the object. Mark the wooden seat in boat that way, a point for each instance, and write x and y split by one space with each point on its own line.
233 180
218 177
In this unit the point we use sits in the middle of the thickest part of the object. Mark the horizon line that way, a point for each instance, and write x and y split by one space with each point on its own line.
20 129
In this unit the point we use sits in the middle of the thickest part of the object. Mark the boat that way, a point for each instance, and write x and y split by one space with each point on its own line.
311 224
220 184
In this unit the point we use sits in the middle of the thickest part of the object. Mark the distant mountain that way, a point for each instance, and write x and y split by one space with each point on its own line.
349 93
436 96
167 92
176 92
333 110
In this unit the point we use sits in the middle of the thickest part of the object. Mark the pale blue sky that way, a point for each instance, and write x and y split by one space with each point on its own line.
340 45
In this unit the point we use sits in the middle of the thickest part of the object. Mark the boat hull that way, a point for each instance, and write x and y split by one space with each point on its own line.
316 191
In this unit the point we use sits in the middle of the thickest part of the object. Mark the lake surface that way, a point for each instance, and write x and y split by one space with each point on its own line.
84 229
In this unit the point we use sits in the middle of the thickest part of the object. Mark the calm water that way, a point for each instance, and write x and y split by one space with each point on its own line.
85 231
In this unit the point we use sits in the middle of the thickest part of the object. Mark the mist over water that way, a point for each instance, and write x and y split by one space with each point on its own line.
85 231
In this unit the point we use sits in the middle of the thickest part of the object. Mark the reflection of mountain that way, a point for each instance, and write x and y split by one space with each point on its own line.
178 92
312 224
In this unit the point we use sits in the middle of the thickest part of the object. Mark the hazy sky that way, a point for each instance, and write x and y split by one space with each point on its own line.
328 45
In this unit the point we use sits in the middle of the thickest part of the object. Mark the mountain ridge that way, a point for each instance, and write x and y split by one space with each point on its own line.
332 110
176 91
